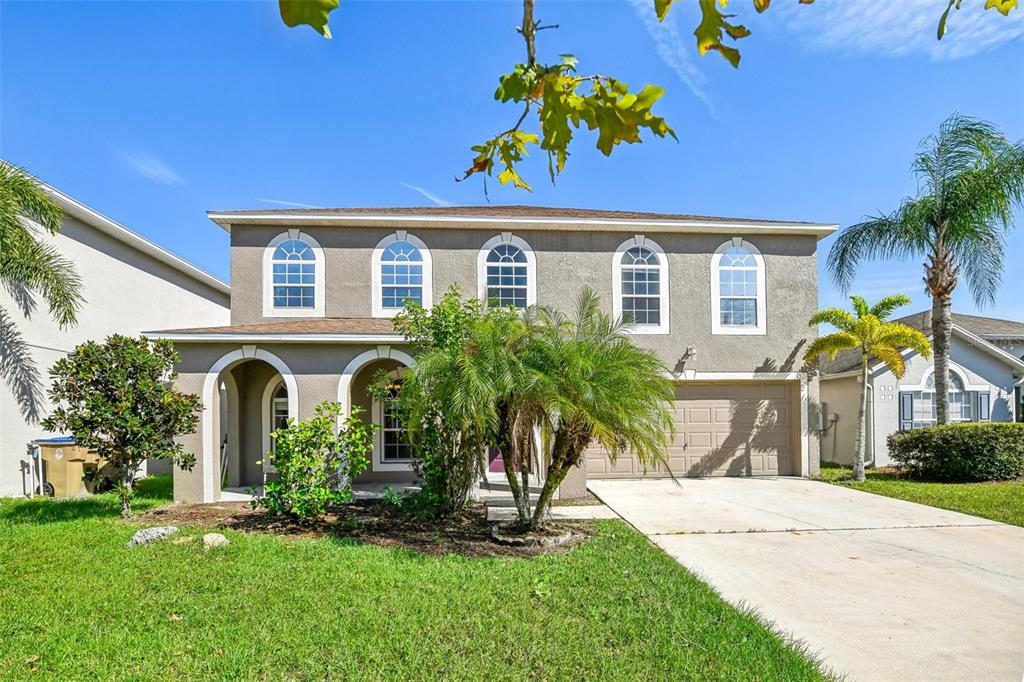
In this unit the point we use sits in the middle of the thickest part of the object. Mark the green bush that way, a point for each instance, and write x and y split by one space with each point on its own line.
315 465
975 451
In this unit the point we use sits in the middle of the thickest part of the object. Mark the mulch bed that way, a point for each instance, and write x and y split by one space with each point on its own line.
367 521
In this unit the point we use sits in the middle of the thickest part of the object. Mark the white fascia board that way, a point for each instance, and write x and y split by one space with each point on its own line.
820 230
696 375
277 338
121 233
989 347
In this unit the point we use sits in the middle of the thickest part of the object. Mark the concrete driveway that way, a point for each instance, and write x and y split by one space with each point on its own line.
877 588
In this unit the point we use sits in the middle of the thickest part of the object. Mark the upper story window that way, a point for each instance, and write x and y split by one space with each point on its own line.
640 279
506 272
401 272
293 276
738 289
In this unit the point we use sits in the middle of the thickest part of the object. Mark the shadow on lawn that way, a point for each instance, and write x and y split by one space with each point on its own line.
149 492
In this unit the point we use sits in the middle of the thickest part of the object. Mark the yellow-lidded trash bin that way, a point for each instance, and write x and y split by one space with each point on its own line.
64 466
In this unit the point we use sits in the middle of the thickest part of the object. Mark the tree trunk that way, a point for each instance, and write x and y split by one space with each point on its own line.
551 483
126 491
862 413
942 327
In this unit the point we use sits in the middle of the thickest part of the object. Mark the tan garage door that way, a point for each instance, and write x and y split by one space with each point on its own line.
722 429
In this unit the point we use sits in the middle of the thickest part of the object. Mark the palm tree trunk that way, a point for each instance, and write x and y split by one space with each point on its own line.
942 327
551 483
862 413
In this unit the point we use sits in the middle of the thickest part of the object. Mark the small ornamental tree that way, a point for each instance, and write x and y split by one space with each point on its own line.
118 399
316 463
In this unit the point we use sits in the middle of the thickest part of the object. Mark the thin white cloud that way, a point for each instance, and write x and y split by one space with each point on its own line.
281 202
897 27
150 167
433 198
677 52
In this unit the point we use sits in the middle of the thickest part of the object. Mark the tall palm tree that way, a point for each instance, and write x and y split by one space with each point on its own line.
971 181
598 388
872 336
27 265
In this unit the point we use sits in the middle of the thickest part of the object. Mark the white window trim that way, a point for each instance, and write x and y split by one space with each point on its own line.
376 303
955 369
378 444
960 372
319 288
761 328
268 423
531 266
663 298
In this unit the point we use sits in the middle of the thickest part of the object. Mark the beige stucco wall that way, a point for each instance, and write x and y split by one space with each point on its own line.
126 291
566 262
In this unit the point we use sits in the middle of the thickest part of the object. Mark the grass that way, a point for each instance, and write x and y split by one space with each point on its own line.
1000 501
78 604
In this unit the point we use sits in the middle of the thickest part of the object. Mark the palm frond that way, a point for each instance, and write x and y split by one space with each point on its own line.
892 359
837 317
831 345
21 195
896 236
884 308
899 335
26 263
860 306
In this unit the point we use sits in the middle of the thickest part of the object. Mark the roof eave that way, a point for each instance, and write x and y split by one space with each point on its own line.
214 337
118 231
820 230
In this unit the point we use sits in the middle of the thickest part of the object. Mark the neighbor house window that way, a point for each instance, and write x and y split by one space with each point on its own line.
640 273
401 272
506 272
917 404
737 289
293 276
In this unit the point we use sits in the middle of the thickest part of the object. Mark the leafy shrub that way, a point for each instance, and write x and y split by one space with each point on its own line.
977 451
315 465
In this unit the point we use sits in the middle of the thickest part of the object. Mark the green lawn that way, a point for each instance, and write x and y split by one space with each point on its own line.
78 605
1002 501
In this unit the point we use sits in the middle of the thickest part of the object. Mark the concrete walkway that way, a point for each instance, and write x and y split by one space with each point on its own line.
877 588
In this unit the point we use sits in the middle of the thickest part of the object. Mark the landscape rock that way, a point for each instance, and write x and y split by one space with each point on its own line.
211 540
148 535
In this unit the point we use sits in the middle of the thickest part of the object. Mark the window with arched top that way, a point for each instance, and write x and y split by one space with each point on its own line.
966 403
401 272
738 289
640 282
293 276
506 272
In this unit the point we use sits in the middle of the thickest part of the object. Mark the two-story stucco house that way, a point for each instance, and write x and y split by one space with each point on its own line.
128 284
724 302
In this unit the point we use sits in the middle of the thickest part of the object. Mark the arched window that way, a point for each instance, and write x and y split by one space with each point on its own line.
506 272
640 280
738 289
401 271
293 265
967 402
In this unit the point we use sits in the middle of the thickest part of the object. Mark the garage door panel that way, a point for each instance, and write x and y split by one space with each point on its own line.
722 429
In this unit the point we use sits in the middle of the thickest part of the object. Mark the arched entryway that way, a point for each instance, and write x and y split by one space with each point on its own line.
390 460
246 395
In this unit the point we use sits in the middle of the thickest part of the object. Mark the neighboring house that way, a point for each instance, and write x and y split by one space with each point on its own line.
724 302
986 373
129 284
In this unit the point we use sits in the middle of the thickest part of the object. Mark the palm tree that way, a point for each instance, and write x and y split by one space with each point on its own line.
27 265
870 334
972 180
598 388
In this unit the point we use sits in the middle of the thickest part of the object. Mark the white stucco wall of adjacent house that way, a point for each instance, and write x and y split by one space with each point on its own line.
129 285
982 370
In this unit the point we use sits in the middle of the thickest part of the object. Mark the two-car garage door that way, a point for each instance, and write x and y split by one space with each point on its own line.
722 429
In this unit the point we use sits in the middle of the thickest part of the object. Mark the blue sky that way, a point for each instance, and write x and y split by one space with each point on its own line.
154 112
